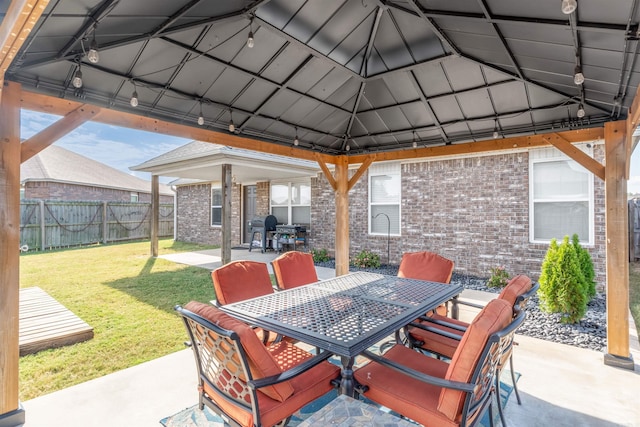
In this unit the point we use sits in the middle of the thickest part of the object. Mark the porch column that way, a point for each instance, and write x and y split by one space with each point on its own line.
155 214
618 353
225 250
342 215
11 413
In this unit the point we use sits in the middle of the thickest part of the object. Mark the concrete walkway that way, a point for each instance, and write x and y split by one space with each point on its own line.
560 385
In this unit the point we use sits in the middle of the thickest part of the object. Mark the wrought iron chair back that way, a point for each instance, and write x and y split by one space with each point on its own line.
221 363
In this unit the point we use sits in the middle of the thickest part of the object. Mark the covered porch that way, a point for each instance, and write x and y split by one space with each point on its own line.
350 83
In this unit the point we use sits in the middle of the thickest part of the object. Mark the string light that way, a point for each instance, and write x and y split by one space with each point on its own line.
348 147
296 141
93 56
134 96
232 127
201 117
496 134
578 77
569 6
415 142
77 77
250 40
581 111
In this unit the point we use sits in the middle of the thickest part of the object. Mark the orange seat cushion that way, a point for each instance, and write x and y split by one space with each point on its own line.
241 280
261 362
426 266
407 396
293 269
517 286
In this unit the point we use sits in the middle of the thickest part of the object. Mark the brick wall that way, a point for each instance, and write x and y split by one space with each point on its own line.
474 211
35 190
194 215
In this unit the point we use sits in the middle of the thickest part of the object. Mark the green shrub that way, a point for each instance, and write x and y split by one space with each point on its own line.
366 259
320 255
562 284
499 277
586 265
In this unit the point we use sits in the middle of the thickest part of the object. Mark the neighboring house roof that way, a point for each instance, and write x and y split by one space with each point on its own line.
57 164
202 161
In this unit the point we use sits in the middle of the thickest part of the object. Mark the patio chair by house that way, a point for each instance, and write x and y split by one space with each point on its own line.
442 335
429 266
433 392
293 269
243 380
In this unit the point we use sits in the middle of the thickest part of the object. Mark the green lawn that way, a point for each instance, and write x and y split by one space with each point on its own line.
126 296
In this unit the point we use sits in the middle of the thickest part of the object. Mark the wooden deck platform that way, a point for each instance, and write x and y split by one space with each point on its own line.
45 323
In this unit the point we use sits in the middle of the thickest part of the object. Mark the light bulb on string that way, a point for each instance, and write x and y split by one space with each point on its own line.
200 116
77 78
250 40
578 77
296 141
581 113
496 134
93 55
232 127
569 6
415 142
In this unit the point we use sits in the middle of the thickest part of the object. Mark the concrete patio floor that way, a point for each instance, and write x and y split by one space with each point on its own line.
560 385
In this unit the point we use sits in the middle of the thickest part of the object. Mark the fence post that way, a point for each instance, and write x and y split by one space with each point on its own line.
43 228
105 230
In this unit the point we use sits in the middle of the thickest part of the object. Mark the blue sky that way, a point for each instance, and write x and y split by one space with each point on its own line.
121 148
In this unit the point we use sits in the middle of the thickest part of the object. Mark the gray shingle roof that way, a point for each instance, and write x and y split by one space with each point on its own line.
58 164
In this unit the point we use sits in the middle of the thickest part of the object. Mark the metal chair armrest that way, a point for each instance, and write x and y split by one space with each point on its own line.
290 373
444 323
437 331
440 382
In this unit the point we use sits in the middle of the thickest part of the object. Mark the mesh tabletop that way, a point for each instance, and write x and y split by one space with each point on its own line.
345 314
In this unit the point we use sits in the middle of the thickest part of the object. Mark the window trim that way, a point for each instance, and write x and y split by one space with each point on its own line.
590 199
212 206
290 205
378 170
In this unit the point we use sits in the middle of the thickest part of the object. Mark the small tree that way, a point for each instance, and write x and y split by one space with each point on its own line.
562 284
586 265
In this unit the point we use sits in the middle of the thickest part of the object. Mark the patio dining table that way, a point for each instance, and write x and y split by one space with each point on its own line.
344 315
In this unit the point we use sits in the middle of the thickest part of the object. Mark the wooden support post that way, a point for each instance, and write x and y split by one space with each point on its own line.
342 216
225 250
155 214
618 353
10 411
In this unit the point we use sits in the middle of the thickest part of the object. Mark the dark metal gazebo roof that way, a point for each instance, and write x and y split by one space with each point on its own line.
344 75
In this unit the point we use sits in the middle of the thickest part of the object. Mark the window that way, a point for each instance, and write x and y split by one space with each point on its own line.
216 206
561 197
384 199
134 197
291 202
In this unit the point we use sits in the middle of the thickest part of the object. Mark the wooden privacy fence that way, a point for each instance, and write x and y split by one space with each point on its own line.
55 224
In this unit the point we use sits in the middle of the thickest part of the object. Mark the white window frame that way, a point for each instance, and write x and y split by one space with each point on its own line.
134 197
289 204
381 169
215 187
552 154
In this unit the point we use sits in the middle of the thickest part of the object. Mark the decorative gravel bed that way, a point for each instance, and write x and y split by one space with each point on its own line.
590 332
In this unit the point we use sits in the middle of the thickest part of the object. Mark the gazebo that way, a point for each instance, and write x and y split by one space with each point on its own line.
341 82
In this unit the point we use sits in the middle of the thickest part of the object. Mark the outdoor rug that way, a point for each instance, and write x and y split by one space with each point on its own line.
194 417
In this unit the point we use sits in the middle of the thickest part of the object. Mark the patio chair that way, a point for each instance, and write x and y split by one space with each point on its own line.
433 392
293 269
241 280
243 380
429 266
441 335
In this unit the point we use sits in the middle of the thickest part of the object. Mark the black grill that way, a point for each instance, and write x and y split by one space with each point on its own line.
262 225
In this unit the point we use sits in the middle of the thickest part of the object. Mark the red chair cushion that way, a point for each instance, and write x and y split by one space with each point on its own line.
261 361
293 269
496 315
516 287
426 266
241 280
410 397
